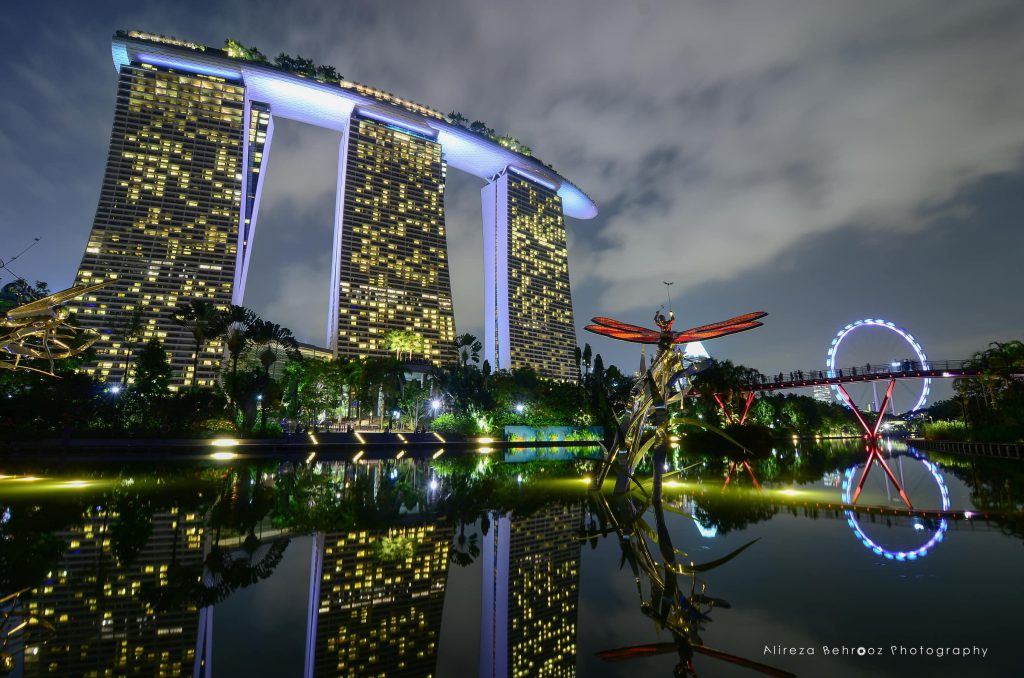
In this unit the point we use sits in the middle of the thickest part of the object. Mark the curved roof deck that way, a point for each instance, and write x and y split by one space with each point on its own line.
295 97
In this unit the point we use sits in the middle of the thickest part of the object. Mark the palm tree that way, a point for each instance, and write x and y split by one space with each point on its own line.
129 332
468 349
234 327
270 339
197 317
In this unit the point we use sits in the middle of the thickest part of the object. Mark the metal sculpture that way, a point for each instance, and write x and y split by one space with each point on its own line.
20 629
676 600
39 330
647 417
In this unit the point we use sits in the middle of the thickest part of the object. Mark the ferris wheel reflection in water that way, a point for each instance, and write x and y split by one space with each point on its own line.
938 528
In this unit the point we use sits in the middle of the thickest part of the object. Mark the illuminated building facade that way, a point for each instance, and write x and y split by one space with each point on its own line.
103 609
530 591
167 225
527 304
376 600
391 254
177 213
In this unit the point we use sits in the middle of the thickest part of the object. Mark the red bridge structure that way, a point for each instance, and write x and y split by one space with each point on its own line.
907 369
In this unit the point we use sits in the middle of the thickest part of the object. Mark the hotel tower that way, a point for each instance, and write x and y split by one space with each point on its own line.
177 214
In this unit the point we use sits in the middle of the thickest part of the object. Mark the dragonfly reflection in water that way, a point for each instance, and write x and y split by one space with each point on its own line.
677 599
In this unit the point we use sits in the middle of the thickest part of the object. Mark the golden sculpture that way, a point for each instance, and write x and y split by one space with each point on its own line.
39 330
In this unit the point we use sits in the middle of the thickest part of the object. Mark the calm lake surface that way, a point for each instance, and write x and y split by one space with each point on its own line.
473 566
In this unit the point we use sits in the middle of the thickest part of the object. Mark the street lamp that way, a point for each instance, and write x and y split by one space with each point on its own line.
259 397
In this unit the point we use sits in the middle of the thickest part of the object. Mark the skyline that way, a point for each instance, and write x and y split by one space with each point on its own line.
827 133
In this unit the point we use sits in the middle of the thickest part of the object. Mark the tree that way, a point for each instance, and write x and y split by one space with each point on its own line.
129 332
587 355
199 318
468 349
457 118
402 342
270 340
152 371
481 128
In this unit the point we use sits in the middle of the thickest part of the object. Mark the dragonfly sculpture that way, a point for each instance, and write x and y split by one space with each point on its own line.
40 331
665 337
646 422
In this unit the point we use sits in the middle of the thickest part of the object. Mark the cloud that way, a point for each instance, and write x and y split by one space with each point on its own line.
716 137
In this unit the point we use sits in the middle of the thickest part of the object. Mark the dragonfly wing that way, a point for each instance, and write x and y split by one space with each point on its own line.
746 317
618 324
41 306
635 651
642 337
692 335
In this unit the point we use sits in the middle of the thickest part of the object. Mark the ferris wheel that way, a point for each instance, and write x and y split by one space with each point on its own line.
876 346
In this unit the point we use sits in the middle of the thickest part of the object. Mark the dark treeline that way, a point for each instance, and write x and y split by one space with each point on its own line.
265 382
985 408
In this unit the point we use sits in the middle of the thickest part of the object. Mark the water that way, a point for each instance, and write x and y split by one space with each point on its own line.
472 566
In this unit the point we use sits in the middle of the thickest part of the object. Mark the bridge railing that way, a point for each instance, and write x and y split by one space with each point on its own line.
907 367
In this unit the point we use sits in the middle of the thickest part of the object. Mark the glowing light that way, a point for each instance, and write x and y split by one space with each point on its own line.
310 457
224 442
438 436
852 521
485 440
76 484
585 479
438 453
519 478
830 362
223 456
790 492
115 389
435 405
434 484
313 438
359 455
485 450
360 438
519 408
189 66
401 453
402 438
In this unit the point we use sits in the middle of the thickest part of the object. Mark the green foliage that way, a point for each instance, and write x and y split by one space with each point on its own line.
947 430
394 549
152 371
237 50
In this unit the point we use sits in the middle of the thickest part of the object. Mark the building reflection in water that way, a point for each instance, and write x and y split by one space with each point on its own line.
376 598
102 604
530 590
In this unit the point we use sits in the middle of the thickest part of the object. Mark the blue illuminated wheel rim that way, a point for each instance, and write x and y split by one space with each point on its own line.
833 351
920 552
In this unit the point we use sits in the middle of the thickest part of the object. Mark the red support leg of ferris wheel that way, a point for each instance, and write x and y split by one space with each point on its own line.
728 476
746 407
725 411
872 446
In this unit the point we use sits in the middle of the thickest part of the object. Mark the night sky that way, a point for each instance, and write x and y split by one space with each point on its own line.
822 161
